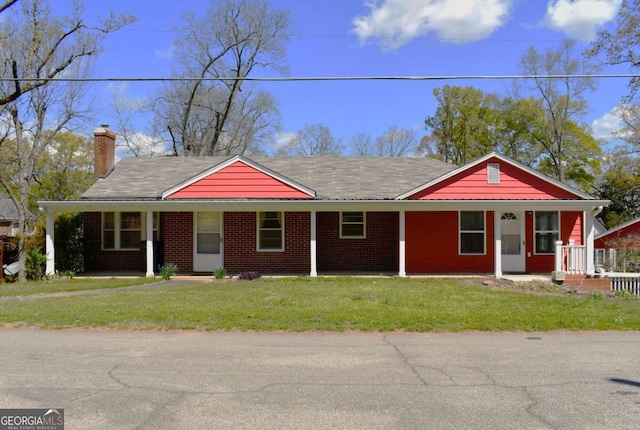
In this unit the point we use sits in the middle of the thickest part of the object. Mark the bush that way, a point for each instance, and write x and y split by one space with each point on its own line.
35 263
167 270
248 276
220 273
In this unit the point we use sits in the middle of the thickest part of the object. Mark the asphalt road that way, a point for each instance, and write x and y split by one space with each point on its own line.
190 380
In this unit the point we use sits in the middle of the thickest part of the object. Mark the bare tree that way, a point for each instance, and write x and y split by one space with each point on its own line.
35 48
362 145
128 113
563 99
397 142
312 139
30 62
7 4
233 40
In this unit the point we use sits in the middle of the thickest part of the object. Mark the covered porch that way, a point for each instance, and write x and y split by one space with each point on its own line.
492 232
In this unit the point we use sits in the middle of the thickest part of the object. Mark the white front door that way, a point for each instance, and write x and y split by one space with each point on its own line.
207 241
512 238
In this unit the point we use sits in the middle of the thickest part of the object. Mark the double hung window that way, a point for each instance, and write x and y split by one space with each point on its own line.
472 232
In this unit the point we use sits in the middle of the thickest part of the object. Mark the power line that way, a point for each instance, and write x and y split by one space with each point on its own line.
326 78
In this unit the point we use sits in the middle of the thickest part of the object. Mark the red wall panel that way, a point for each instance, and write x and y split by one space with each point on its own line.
239 181
432 245
515 184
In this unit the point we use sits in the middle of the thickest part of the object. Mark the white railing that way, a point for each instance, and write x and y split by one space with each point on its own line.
625 282
571 259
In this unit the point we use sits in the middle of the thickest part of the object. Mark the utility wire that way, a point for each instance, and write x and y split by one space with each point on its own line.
325 78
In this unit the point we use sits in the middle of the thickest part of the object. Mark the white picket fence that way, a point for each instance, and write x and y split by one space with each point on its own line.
625 282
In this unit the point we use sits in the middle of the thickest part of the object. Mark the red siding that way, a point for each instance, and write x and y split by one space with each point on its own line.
432 245
515 184
239 181
570 228
378 252
610 240
240 254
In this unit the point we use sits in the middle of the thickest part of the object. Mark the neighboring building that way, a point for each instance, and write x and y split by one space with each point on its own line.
315 215
9 218
630 230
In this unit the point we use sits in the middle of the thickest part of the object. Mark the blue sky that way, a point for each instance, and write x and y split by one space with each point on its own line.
374 38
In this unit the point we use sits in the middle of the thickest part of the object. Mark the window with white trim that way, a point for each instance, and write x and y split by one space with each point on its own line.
270 231
125 230
352 225
547 231
472 232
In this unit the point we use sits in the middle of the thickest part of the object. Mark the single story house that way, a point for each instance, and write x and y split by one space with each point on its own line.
315 215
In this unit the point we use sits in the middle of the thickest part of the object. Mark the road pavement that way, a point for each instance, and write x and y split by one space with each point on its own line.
191 380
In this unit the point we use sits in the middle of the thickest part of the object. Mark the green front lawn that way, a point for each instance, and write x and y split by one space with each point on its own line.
13 289
333 304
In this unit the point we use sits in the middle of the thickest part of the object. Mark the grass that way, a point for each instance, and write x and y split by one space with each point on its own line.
78 284
331 304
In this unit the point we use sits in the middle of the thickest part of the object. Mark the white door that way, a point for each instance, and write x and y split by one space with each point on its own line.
207 241
512 226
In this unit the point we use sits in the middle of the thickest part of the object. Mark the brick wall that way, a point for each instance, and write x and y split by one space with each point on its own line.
240 249
99 260
176 234
378 252
582 283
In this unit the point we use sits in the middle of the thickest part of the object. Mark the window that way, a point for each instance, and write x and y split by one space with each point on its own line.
108 230
546 232
125 230
472 232
130 230
352 225
270 231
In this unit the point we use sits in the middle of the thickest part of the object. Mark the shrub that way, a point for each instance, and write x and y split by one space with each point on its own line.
249 276
167 270
35 263
220 273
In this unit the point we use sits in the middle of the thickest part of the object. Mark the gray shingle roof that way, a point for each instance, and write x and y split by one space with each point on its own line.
332 178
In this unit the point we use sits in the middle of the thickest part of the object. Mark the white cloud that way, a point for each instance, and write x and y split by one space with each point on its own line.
168 53
283 138
580 19
605 126
396 22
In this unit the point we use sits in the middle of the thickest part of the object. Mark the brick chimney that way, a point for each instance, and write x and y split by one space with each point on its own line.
104 151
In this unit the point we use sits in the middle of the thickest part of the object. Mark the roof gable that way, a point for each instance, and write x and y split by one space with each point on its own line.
494 177
628 228
238 178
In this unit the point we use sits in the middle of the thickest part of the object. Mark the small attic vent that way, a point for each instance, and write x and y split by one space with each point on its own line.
493 173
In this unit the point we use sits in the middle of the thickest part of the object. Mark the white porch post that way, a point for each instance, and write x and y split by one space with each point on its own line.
558 266
50 268
314 263
589 234
497 235
402 269
150 268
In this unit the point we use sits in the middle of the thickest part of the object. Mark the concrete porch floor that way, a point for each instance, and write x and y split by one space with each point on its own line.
205 277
